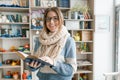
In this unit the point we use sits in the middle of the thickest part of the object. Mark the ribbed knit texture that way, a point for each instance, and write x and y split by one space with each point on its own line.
52 43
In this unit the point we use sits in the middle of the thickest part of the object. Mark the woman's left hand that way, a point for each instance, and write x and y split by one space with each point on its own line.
47 59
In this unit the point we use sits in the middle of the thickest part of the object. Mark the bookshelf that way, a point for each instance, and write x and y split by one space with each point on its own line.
34 10
82 30
14 23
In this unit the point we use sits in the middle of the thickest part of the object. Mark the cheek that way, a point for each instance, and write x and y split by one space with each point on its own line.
57 24
47 25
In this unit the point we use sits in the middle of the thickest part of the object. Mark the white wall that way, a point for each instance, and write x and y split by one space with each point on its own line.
103 40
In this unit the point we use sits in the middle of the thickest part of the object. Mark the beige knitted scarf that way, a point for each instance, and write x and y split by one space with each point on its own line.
52 43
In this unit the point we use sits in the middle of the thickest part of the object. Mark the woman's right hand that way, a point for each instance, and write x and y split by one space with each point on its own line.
34 64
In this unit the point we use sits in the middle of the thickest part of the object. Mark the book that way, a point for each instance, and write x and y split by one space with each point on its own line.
29 58
63 3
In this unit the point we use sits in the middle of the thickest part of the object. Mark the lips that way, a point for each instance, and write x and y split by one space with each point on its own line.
52 26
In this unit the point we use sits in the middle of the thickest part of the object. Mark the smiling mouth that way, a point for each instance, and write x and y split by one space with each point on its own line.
52 26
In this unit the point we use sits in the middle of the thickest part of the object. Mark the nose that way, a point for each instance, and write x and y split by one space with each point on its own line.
51 20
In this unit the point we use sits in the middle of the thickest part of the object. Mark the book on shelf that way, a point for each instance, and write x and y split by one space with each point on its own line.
48 3
24 3
29 58
63 3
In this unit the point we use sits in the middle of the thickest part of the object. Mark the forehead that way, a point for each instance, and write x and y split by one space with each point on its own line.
51 14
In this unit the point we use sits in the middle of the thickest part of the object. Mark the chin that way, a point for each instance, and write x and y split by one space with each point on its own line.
52 30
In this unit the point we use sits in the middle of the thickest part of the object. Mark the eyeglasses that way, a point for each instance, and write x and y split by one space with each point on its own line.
55 19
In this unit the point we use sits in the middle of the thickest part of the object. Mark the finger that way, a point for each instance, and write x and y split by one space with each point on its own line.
42 58
38 65
35 64
27 63
32 63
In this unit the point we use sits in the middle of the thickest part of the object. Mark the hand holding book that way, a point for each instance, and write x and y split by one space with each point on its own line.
38 60
32 59
35 63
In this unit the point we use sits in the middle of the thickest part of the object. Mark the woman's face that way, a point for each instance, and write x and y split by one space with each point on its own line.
52 21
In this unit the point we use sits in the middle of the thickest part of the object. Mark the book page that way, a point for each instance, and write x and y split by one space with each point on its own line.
22 55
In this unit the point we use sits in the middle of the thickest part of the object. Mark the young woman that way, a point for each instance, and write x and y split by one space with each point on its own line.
56 47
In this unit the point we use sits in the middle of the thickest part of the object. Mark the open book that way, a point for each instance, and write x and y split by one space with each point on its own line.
29 58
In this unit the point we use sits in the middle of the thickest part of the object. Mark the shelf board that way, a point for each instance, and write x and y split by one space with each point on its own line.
22 23
8 79
38 8
83 41
81 29
83 71
14 38
9 66
7 52
13 9
35 29
84 64
84 52
79 19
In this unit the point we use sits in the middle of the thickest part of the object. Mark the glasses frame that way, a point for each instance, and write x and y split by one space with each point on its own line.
54 18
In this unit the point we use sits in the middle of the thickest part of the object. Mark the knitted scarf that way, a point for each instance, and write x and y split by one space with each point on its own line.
52 43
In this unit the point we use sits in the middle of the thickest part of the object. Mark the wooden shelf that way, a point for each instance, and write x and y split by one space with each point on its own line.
14 23
85 64
15 20
10 53
79 19
38 8
83 71
7 52
8 79
14 9
23 38
35 29
84 52
9 66
83 41
81 29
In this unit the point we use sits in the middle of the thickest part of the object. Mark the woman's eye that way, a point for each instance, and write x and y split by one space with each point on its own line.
51 18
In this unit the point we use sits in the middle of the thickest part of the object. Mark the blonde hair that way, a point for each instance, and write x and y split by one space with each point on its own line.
59 14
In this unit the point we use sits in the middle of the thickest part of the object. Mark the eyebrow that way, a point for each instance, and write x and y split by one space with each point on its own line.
53 16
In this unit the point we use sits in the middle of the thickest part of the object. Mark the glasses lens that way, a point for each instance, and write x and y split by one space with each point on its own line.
48 19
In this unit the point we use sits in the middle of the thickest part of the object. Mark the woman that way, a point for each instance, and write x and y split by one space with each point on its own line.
56 47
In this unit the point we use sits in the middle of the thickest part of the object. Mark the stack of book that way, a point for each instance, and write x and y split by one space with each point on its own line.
63 3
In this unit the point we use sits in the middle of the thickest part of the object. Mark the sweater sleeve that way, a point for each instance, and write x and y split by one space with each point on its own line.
68 67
